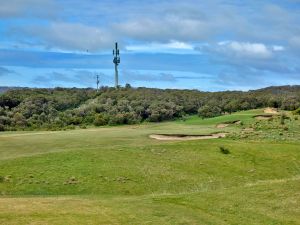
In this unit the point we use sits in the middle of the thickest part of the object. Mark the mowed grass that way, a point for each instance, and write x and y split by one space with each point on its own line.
263 203
119 175
244 116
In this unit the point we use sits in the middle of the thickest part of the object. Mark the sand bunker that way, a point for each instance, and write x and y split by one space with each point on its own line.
263 117
271 110
173 137
222 125
226 124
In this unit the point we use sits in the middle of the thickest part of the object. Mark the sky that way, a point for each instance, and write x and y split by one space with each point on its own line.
209 45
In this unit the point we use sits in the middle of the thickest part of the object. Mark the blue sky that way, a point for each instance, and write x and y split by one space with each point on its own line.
192 44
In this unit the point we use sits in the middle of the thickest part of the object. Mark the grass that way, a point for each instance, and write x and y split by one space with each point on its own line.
118 175
244 116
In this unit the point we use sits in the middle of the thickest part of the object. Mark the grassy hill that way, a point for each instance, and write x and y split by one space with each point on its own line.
118 175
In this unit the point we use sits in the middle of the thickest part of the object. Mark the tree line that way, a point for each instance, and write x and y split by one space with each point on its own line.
66 108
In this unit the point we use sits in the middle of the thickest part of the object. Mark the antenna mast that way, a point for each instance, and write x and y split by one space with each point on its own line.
116 54
97 82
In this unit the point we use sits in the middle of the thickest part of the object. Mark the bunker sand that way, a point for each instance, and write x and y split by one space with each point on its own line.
271 110
263 117
226 124
176 137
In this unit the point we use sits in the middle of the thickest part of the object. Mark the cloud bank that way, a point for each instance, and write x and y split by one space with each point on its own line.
234 42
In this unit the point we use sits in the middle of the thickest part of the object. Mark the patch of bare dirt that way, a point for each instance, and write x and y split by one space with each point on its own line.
271 110
222 125
226 124
175 137
248 129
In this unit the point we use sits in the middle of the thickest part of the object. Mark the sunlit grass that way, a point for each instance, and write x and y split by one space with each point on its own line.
118 175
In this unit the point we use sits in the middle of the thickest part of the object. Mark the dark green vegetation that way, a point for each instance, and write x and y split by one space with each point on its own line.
118 175
59 108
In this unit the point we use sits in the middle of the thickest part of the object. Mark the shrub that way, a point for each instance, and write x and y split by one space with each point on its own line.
71 127
209 111
184 118
100 120
2 128
296 112
224 150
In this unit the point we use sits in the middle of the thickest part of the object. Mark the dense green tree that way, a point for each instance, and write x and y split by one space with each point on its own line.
62 108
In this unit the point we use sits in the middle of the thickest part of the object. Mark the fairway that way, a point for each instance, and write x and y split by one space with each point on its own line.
150 112
118 175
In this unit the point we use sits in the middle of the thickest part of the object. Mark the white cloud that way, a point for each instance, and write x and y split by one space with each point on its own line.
161 47
256 50
178 45
248 49
256 24
31 8
72 36
168 26
241 55
278 48
251 49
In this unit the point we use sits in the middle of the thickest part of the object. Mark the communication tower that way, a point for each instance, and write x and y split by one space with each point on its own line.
97 82
116 54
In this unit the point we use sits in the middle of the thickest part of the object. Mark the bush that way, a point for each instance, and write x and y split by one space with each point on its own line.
57 108
82 126
296 112
100 120
70 127
224 150
209 111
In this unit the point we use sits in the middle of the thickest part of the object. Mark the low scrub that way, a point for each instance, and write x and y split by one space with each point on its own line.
296 112
224 150
63 108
